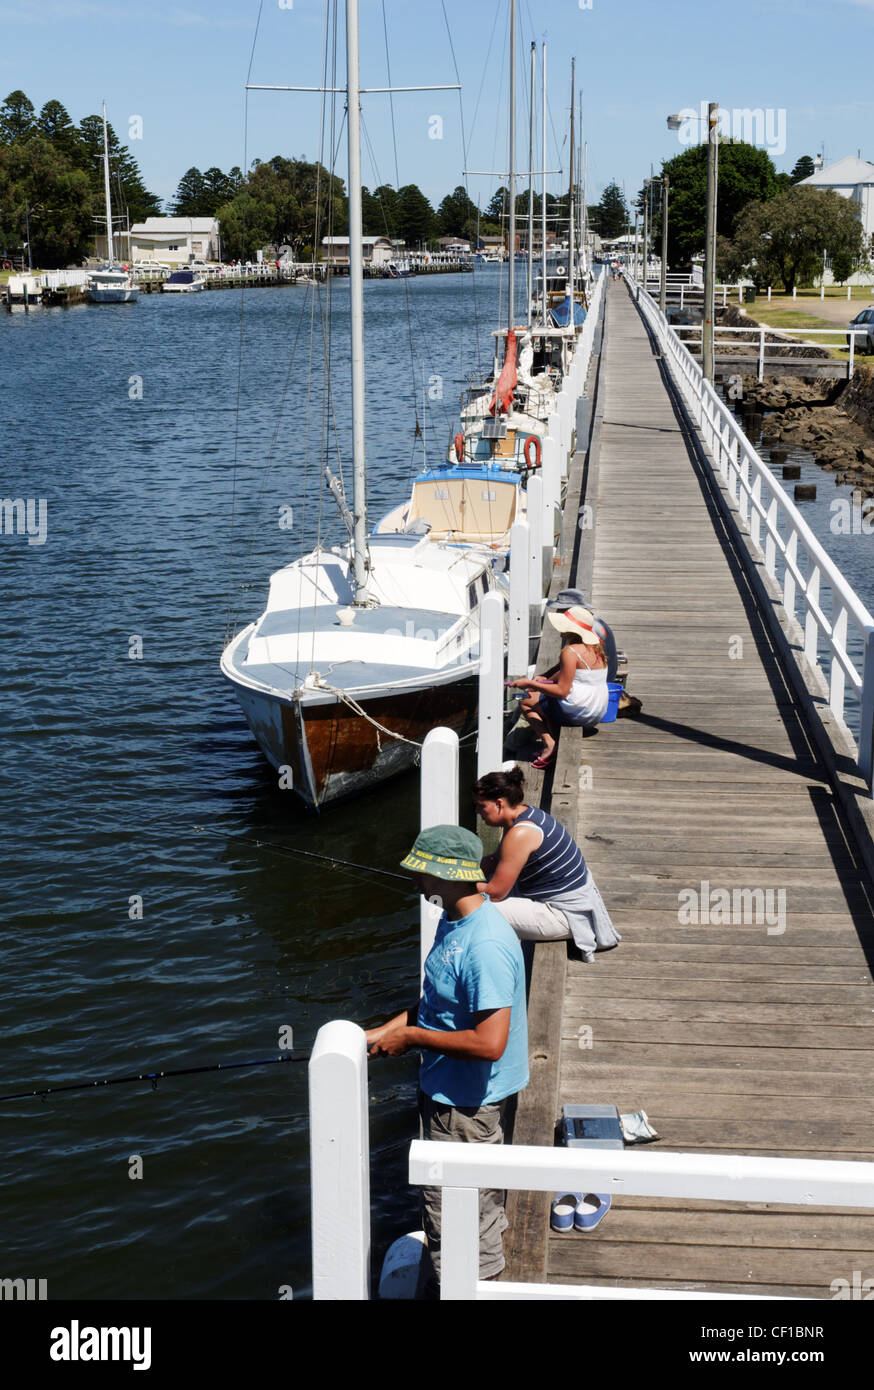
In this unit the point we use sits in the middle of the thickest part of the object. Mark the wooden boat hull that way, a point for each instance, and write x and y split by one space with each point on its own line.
327 751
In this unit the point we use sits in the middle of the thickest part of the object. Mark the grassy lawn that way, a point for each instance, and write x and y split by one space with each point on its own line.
777 314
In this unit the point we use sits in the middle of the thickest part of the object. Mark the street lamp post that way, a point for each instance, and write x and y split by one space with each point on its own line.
674 123
707 354
663 286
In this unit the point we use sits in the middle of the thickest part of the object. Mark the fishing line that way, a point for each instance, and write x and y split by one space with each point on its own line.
305 854
153 1076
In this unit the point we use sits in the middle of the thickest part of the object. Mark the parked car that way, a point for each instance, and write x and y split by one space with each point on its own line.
863 320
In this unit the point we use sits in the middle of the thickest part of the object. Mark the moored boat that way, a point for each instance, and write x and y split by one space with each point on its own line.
361 649
110 283
183 282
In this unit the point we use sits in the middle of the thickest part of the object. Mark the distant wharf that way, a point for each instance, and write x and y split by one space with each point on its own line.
741 1039
64 287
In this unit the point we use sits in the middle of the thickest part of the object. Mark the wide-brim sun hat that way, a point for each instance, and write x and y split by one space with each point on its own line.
577 620
447 851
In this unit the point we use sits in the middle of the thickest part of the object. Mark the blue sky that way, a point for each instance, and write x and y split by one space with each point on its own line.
182 69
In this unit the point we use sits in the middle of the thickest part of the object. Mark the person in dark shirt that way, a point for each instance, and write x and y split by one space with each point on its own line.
538 879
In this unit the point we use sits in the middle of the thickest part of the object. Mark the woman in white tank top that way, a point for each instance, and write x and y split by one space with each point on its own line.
578 694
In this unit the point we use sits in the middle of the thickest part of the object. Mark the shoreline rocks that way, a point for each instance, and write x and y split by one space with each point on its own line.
833 420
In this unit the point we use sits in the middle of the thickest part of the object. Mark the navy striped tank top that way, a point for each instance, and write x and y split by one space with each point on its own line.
556 866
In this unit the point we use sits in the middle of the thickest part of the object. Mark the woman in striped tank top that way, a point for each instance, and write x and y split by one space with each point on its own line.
538 879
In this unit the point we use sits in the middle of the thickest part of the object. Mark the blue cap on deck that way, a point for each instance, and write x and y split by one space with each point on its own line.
567 598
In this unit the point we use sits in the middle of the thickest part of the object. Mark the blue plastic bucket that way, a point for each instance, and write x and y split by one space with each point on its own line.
612 703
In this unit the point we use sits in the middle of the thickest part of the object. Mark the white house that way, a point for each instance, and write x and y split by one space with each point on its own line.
376 250
854 179
175 240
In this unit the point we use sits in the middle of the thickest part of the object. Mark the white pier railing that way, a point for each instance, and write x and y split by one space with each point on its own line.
771 353
838 629
340 1149
462 1169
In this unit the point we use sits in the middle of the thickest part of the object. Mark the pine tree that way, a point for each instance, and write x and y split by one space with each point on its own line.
17 119
804 167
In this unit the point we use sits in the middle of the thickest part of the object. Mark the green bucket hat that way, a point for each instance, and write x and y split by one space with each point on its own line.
446 851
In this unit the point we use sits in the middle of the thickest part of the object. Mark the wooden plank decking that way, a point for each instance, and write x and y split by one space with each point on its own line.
733 1038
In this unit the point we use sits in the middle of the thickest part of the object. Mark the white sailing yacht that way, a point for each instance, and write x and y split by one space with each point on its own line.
110 283
362 648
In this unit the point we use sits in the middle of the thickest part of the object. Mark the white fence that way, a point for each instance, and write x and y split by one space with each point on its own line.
340 1147
462 1169
772 352
61 279
815 593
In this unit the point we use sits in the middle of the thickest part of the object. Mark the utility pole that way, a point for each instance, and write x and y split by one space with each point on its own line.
663 287
27 229
707 356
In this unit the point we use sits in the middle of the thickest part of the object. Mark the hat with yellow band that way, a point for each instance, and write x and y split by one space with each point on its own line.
446 851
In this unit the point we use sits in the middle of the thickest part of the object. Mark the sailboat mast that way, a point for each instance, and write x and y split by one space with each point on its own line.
106 190
356 290
571 227
585 202
531 191
511 307
543 184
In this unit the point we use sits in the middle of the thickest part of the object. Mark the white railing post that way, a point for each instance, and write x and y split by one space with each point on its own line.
340 1163
566 408
770 542
518 647
553 431
551 501
755 518
811 627
866 727
534 516
490 741
788 575
550 456
852 351
761 371
837 679
438 805
459 1244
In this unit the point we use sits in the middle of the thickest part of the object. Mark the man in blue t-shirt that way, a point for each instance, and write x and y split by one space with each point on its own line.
470 1021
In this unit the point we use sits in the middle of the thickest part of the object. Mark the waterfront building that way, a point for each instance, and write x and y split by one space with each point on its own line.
377 250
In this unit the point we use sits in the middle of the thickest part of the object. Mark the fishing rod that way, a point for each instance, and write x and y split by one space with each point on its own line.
306 854
154 1076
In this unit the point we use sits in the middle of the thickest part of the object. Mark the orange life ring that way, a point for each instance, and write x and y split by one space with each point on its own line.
532 439
459 447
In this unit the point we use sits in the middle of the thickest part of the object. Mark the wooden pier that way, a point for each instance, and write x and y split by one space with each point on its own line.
754 1037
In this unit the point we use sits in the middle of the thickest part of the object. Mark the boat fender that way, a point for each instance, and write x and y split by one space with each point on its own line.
459 447
532 439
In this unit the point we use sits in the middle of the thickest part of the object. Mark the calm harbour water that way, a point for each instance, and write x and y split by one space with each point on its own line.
109 762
